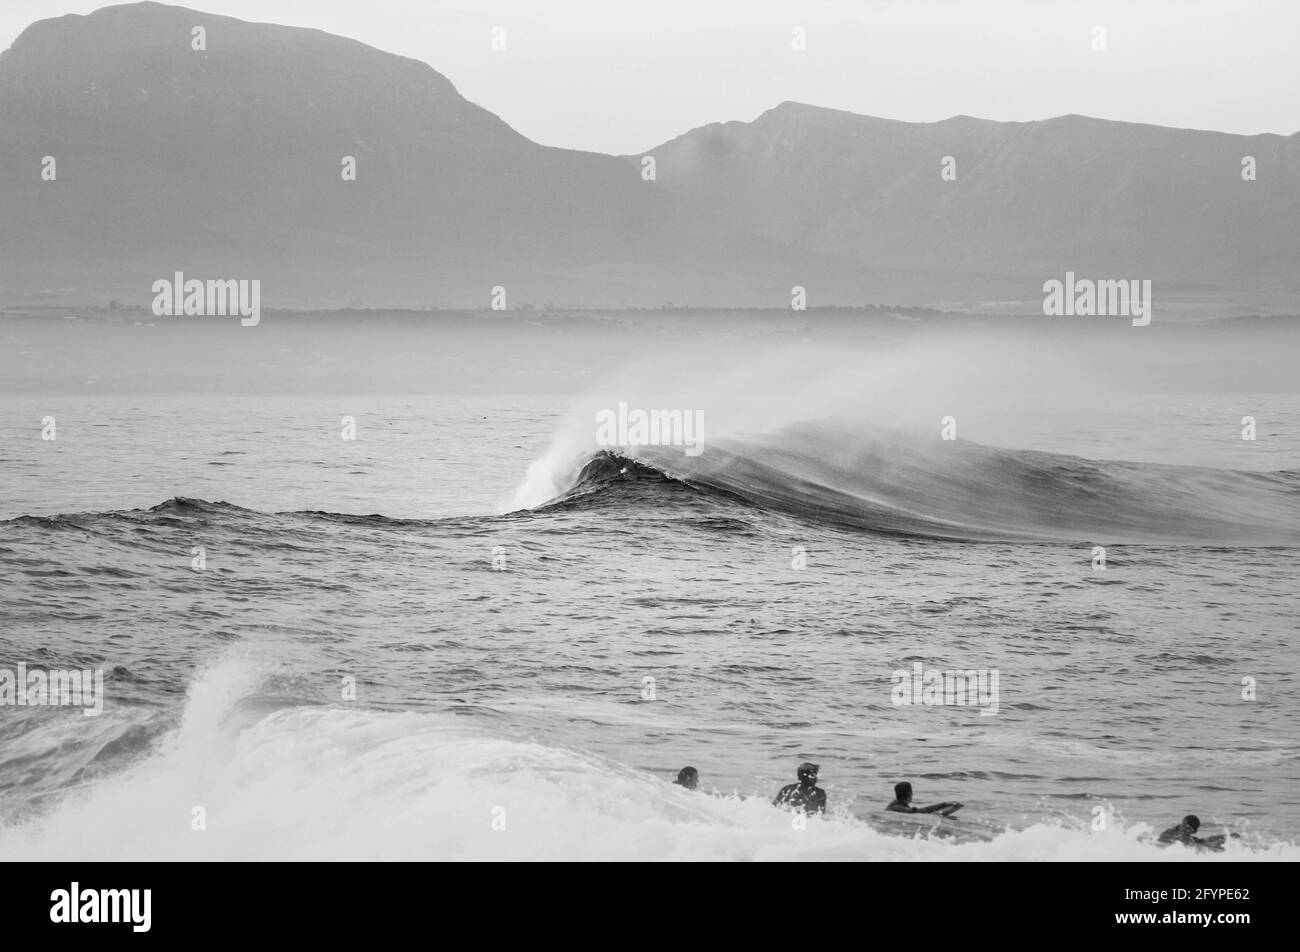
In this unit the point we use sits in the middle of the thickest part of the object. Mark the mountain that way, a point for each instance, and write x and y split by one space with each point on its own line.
226 163
1104 199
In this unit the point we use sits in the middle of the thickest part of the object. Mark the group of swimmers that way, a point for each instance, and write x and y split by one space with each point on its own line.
806 795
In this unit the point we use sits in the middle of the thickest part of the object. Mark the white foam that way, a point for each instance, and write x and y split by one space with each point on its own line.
345 783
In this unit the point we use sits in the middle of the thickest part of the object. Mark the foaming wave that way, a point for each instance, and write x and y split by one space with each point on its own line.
885 481
316 782
849 434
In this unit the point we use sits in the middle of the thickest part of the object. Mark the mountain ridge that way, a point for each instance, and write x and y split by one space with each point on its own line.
227 161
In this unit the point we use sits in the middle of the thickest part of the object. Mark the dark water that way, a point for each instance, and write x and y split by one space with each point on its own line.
769 591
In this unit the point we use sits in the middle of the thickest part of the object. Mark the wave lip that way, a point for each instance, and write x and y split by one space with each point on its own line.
884 482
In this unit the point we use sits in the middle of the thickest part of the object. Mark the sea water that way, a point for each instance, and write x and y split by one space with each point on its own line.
462 635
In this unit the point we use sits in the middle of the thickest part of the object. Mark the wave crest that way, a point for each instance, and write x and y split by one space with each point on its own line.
885 482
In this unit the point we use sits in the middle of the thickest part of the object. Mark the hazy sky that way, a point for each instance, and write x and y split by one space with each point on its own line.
624 75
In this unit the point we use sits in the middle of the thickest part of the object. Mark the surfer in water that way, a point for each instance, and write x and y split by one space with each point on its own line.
1185 833
688 777
903 802
805 793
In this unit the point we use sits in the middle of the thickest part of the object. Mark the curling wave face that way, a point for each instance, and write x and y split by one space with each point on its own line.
887 482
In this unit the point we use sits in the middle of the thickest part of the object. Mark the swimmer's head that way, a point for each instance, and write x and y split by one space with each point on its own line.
903 792
1192 822
808 772
688 777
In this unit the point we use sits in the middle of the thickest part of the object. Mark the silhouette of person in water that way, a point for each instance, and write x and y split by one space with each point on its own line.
903 802
805 793
688 777
1185 833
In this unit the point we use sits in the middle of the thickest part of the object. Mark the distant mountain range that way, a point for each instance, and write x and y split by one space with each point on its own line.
226 163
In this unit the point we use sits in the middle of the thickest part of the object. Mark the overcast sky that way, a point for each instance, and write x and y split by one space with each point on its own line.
624 75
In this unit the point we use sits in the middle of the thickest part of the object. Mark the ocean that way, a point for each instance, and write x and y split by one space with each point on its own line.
471 632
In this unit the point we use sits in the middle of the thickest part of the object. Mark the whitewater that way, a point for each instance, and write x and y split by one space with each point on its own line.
326 783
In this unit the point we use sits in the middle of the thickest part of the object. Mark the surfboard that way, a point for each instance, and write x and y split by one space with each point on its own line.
930 825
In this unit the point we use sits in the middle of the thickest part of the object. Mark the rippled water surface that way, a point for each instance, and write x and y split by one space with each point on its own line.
643 622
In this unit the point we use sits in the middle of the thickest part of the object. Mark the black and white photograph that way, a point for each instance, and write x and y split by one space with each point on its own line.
717 431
